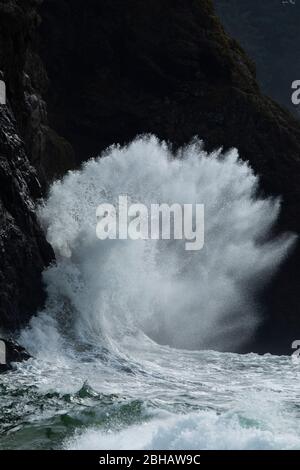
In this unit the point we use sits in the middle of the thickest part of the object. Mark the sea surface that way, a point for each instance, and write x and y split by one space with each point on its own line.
151 398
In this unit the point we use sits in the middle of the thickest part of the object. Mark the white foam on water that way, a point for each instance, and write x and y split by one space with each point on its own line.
201 430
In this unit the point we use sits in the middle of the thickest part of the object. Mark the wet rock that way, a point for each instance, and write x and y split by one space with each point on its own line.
26 81
31 155
24 251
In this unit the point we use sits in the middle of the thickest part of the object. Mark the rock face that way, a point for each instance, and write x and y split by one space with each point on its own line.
167 67
24 252
26 82
25 141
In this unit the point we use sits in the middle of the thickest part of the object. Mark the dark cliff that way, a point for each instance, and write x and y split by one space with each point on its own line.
26 141
24 252
122 68
27 82
167 67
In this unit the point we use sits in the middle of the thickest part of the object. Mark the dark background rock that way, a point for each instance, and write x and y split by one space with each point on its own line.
118 69
269 32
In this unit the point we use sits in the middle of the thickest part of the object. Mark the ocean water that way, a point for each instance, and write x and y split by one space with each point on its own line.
130 350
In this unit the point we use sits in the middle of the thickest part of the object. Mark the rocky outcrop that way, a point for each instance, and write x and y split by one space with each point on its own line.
24 252
27 82
26 141
167 67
